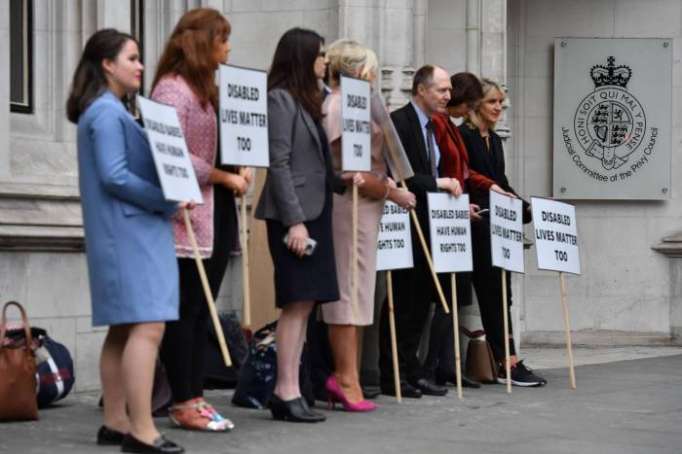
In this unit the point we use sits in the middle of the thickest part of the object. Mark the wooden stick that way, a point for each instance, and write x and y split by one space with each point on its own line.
567 326
207 291
427 254
354 256
455 326
507 359
246 288
394 341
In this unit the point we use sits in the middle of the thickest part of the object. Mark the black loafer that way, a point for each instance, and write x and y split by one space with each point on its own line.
160 445
452 379
429 389
406 390
370 392
109 437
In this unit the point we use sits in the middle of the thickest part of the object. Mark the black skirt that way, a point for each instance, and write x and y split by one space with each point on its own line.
310 278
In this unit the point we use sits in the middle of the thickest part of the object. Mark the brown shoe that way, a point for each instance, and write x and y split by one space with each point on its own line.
197 414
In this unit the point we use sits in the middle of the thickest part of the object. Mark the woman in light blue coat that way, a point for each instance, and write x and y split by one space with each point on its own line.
128 239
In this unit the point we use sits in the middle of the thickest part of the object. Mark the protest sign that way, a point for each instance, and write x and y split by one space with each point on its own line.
506 232
179 183
356 138
450 232
169 150
394 244
506 243
556 235
394 251
556 242
450 228
243 117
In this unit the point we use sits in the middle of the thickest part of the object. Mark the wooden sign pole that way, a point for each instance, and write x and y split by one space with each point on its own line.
207 291
394 342
507 359
567 326
455 332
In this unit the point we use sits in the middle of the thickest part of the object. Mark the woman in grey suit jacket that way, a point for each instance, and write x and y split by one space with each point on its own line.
128 239
296 204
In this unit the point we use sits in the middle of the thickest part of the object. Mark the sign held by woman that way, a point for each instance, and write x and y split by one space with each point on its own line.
169 149
243 117
356 142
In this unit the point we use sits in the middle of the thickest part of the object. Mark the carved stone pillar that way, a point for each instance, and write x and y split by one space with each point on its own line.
398 52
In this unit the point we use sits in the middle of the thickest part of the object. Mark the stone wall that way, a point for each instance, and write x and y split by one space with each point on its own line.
627 291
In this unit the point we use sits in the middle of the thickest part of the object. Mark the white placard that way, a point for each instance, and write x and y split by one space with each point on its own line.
556 235
450 229
356 138
169 149
243 117
394 244
506 232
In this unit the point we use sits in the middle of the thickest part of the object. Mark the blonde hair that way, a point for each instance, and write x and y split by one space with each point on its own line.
350 58
487 85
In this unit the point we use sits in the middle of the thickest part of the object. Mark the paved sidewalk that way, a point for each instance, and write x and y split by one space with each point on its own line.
623 407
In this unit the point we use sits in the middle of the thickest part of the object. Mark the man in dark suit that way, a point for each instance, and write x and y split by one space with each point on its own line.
413 288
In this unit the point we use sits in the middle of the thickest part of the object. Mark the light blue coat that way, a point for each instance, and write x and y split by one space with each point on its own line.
128 233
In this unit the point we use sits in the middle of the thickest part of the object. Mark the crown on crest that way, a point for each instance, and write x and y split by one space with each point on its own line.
610 74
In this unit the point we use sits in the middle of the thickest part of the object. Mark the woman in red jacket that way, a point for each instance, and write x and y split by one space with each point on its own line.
465 96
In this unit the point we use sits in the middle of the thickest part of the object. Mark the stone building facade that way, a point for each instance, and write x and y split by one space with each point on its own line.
630 290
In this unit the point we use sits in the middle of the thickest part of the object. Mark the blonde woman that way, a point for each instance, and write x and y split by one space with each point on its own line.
348 58
486 157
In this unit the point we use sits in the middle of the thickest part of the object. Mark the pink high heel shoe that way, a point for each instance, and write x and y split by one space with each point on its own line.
335 394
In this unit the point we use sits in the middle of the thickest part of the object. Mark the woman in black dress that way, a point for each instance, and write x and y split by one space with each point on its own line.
296 203
486 157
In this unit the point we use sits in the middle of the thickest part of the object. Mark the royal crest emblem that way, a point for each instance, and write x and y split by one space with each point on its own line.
610 123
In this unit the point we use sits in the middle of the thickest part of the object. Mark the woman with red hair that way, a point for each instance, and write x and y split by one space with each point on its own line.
185 79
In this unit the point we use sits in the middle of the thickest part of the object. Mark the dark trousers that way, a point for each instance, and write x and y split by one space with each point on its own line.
413 291
184 345
440 361
487 281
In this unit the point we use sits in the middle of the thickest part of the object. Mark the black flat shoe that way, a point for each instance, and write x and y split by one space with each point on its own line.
406 390
467 382
161 445
109 437
293 410
429 389
371 392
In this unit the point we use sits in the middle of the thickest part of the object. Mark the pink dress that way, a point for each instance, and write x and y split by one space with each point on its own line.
369 215
199 125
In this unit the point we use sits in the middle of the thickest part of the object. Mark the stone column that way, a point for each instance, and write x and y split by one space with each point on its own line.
4 91
113 14
397 52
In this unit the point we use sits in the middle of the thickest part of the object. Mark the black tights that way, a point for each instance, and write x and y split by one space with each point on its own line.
185 341
487 281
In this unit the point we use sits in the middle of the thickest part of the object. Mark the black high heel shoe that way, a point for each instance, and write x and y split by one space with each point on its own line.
293 410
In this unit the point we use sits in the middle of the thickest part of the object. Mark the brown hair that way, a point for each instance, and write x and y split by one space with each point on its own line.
293 68
189 52
89 80
466 88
